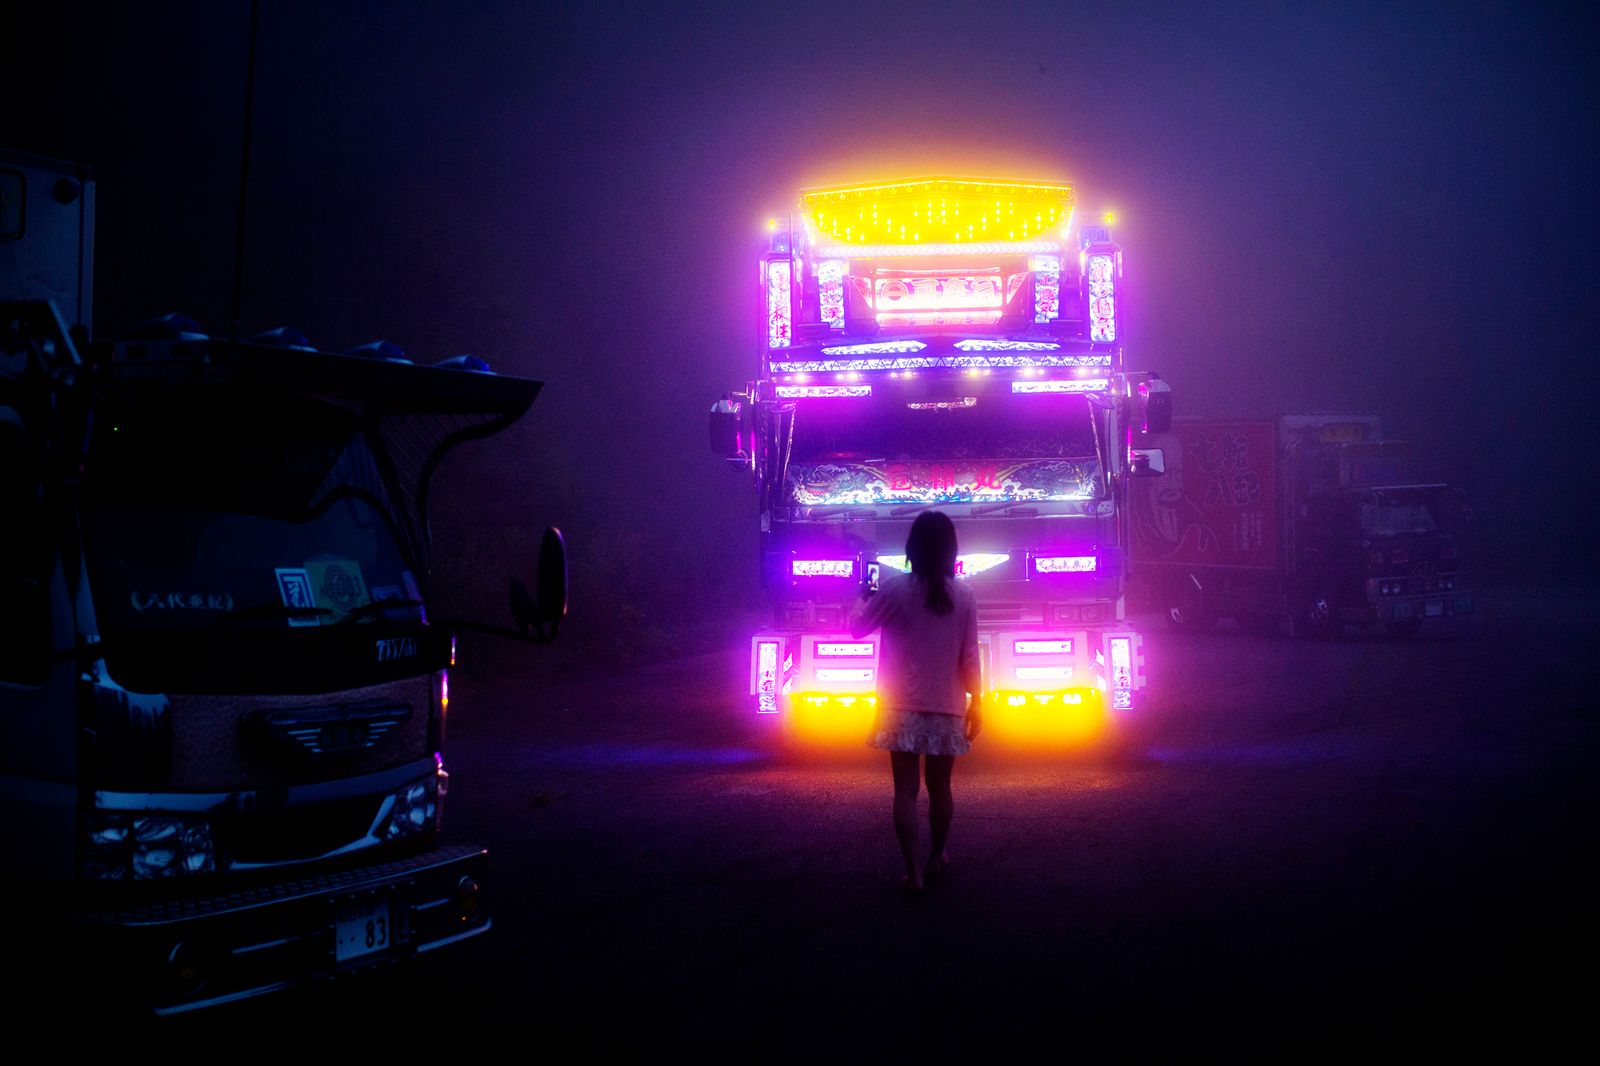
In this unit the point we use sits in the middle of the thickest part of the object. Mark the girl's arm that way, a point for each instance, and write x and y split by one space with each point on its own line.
972 670
868 612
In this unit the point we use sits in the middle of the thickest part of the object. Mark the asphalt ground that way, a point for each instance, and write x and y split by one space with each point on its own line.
1297 849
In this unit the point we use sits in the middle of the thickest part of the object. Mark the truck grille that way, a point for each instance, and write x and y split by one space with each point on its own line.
219 744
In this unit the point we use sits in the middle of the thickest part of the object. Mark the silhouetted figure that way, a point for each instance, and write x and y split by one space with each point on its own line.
927 665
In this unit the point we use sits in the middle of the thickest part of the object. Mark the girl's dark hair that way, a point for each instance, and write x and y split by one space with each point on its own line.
931 551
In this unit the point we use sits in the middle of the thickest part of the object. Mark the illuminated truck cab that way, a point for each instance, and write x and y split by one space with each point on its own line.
950 344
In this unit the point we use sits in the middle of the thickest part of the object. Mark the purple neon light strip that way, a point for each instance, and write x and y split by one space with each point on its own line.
822 567
798 392
1063 564
1078 385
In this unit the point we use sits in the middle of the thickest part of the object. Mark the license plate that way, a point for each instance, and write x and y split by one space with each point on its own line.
1433 608
361 927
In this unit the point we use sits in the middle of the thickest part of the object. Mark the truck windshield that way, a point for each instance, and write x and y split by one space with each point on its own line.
1391 518
212 510
986 448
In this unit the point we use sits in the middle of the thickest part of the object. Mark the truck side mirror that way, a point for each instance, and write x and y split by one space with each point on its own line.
1155 406
1147 462
541 613
725 437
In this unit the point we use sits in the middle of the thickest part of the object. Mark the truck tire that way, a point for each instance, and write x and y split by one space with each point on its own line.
1186 609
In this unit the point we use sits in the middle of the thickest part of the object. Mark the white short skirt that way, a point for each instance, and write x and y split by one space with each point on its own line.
922 732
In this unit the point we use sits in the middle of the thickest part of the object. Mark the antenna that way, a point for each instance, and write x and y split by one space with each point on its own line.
244 171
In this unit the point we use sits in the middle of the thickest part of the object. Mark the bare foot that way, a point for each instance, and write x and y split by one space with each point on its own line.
911 884
938 867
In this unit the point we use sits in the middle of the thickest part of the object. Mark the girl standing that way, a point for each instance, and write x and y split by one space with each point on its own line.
927 668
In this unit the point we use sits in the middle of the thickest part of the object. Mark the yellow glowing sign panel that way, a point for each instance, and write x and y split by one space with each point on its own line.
938 211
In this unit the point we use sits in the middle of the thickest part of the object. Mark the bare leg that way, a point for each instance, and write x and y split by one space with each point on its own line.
941 807
904 764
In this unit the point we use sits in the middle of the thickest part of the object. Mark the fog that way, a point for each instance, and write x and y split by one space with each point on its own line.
1387 211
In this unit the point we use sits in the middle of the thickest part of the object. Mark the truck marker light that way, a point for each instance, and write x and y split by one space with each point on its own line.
829 649
822 567
1041 647
1063 564
827 673
1043 673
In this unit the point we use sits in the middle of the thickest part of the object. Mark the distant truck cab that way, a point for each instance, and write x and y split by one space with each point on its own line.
956 344
1310 518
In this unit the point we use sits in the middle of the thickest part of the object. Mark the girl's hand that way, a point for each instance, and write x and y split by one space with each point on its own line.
974 718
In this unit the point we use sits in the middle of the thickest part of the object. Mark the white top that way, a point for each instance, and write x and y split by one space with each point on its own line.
924 658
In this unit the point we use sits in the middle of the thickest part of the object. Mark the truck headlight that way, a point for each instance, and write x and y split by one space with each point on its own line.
414 809
122 845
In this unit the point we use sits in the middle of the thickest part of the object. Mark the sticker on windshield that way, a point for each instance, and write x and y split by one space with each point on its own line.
294 586
339 584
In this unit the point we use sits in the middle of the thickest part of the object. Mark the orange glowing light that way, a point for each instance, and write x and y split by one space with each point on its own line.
1062 720
866 213
1069 718
830 719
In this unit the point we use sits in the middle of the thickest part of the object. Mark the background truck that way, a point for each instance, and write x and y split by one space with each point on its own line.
954 344
223 694
1313 518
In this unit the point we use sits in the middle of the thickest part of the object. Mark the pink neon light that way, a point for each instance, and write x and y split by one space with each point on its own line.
830 291
767 676
1063 564
1121 672
1041 647
780 309
822 567
1043 673
841 650
1046 287
1101 275
795 392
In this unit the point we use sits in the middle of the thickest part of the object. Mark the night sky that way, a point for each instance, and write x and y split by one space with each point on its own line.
1323 209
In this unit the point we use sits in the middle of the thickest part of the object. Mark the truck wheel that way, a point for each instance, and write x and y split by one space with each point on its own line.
1316 618
1403 628
1186 611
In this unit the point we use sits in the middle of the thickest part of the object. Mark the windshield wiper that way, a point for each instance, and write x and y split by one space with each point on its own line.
828 512
375 606
1008 505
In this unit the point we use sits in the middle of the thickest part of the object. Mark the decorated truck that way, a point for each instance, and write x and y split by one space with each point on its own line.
955 344
1313 519
224 685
